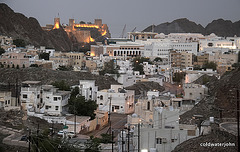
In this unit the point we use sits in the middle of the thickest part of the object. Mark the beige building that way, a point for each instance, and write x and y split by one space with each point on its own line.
82 123
15 58
201 59
224 61
5 99
74 59
181 59
90 65
194 91
127 49
141 35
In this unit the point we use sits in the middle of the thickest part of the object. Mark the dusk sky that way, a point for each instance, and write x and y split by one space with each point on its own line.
133 13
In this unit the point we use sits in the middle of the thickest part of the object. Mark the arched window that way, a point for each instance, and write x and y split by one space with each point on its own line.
148 105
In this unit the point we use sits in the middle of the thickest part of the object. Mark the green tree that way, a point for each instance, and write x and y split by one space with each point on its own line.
62 85
65 68
44 56
106 138
109 67
44 143
82 106
92 145
34 65
138 63
157 59
19 43
2 51
178 77
2 66
210 65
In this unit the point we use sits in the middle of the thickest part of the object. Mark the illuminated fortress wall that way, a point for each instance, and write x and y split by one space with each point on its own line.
80 31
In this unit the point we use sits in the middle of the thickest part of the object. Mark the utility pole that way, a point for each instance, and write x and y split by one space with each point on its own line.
109 114
128 138
75 117
37 137
29 140
52 128
122 140
112 139
238 119
138 137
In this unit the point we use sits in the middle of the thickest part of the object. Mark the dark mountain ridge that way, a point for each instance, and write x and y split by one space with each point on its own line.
17 25
220 27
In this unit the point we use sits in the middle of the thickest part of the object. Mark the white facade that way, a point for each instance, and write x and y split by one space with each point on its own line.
149 69
159 126
116 100
54 101
125 66
50 51
222 43
88 89
127 79
44 99
161 48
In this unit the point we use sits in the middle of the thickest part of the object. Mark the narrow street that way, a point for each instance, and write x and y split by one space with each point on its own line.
117 120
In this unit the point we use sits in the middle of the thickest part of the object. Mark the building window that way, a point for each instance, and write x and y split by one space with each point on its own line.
55 98
148 105
8 101
159 140
25 96
116 107
38 96
56 107
101 97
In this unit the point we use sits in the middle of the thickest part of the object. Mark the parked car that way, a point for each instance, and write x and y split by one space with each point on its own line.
71 134
24 138
60 133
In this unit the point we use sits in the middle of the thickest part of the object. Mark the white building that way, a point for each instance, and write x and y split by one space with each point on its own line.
116 99
88 89
43 99
149 69
159 127
161 48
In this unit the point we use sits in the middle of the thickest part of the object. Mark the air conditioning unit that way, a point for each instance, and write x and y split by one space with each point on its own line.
164 140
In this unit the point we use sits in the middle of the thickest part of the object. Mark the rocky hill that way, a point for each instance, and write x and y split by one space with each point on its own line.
145 86
220 27
216 136
46 76
221 99
17 25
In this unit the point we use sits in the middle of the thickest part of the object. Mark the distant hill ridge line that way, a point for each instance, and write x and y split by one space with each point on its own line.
17 25
220 27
